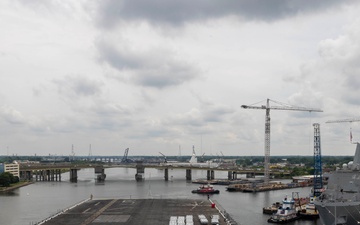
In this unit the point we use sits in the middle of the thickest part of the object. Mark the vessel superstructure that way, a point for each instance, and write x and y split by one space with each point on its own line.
286 212
340 202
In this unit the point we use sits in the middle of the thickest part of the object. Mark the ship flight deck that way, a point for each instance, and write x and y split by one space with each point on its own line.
138 211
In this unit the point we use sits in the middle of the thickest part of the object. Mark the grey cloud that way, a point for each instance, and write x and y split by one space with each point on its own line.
217 113
352 78
170 74
119 59
340 57
11 115
352 84
201 118
157 68
80 86
179 12
111 109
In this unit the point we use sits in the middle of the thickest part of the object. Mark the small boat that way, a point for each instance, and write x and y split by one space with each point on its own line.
206 189
271 209
310 212
286 213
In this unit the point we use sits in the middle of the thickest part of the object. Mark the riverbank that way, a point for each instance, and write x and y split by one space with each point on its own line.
15 186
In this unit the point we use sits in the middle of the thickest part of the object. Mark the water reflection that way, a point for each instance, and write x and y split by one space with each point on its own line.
35 202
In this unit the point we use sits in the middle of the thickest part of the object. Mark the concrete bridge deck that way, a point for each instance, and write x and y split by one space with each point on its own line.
26 167
52 172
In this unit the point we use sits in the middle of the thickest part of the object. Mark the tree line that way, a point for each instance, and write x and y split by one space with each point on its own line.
6 179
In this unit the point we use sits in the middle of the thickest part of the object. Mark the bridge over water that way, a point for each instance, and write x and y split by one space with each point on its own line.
53 171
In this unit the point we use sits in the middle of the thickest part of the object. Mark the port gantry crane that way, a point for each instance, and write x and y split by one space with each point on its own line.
125 157
350 120
267 107
165 160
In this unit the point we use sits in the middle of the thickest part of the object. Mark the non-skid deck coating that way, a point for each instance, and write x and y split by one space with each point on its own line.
134 212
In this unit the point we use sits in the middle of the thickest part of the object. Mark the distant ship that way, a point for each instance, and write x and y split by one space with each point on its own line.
193 162
340 202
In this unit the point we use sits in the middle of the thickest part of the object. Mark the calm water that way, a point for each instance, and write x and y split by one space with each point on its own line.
38 201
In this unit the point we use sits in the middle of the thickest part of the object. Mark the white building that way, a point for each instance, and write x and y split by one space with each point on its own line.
12 168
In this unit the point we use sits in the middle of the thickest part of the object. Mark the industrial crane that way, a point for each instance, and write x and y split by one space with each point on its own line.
125 158
267 107
350 120
318 181
165 160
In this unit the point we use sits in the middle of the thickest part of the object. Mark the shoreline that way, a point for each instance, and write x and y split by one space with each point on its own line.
6 189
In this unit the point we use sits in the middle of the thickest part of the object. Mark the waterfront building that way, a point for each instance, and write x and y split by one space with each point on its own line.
13 168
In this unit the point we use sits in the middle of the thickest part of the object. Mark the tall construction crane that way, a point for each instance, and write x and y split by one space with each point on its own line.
267 107
318 181
350 120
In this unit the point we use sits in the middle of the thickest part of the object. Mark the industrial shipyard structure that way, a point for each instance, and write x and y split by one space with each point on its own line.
267 107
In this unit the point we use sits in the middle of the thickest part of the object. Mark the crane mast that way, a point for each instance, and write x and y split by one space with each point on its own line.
267 107
267 144
318 181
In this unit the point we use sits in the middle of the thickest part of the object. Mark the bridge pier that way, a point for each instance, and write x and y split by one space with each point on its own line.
52 175
73 175
140 171
26 175
188 174
58 175
100 171
250 175
47 174
210 175
166 174
232 175
42 175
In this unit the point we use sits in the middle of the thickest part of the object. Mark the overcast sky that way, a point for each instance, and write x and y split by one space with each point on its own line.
162 76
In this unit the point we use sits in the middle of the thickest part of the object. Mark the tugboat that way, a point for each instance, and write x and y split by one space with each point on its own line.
310 212
206 189
272 209
286 213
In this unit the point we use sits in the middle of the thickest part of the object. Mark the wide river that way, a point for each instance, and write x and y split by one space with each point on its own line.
35 202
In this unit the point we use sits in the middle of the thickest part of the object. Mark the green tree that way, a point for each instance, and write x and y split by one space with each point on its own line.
5 179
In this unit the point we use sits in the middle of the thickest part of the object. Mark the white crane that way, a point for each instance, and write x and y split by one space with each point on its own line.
267 107
349 120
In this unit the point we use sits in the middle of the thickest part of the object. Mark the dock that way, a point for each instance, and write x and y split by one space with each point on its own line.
138 211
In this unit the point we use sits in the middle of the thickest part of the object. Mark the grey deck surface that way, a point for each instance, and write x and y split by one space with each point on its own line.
134 212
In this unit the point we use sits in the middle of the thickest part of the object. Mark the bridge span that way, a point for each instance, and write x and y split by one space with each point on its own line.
52 172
